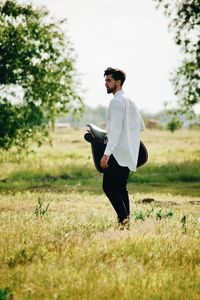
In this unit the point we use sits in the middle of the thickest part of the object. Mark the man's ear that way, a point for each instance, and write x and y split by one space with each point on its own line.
118 82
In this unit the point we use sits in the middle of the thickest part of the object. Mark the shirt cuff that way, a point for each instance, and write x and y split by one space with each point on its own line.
107 152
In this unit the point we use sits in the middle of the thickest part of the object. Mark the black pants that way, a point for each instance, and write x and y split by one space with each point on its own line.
114 185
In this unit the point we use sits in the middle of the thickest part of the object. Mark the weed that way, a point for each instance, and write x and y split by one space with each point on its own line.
3 293
159 215
20 258
6 294
139 215
184 224
163 215
142 215
149 212
40 210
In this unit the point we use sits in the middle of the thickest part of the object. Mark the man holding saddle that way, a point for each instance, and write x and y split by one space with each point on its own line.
124 125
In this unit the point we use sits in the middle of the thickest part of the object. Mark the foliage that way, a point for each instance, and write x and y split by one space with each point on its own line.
160 214
6 294
3 293
174 124
184 18
37 71
166 115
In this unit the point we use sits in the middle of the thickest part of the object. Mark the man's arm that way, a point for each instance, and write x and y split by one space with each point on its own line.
116 115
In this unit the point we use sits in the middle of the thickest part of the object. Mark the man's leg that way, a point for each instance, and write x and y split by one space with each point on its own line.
124 190
114 185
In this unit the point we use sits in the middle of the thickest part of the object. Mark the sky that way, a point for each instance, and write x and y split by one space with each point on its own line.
127 34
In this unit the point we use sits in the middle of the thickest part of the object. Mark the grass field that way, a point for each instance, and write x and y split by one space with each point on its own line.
58 235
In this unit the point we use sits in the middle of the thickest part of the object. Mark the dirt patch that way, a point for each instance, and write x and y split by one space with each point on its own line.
195 202
156 202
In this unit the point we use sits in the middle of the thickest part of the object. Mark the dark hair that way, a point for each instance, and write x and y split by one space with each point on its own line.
116 74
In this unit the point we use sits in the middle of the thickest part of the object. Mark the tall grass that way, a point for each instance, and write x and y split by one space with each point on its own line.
58 232
73 250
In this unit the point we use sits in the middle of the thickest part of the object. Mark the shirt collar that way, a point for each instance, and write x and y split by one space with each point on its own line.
118 93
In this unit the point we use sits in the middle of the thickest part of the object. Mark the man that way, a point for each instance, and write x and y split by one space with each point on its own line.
124 125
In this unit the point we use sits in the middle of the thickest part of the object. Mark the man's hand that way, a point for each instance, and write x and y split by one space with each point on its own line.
104 161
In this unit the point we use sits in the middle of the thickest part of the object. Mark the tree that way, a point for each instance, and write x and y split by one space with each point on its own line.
37 71
184 18
174 124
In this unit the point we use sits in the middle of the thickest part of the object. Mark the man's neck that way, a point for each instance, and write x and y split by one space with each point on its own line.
117 90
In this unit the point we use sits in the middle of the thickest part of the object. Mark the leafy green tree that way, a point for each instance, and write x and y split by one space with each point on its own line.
174 124
37 71
184 18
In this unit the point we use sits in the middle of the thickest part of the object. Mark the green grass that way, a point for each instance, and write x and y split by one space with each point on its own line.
174 160
58 233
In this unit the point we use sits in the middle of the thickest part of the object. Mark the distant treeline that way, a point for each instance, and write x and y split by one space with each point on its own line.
97 116
90 115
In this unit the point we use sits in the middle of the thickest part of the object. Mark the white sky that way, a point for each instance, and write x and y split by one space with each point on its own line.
127 34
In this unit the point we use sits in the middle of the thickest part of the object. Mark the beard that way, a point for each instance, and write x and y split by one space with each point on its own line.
110 90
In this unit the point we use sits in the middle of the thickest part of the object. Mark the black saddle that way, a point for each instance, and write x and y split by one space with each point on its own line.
98 139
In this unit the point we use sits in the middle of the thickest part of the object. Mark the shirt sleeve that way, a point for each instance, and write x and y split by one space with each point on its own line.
116 121
142 126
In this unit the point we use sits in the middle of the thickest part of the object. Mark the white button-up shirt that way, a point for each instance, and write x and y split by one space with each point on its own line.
124 125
